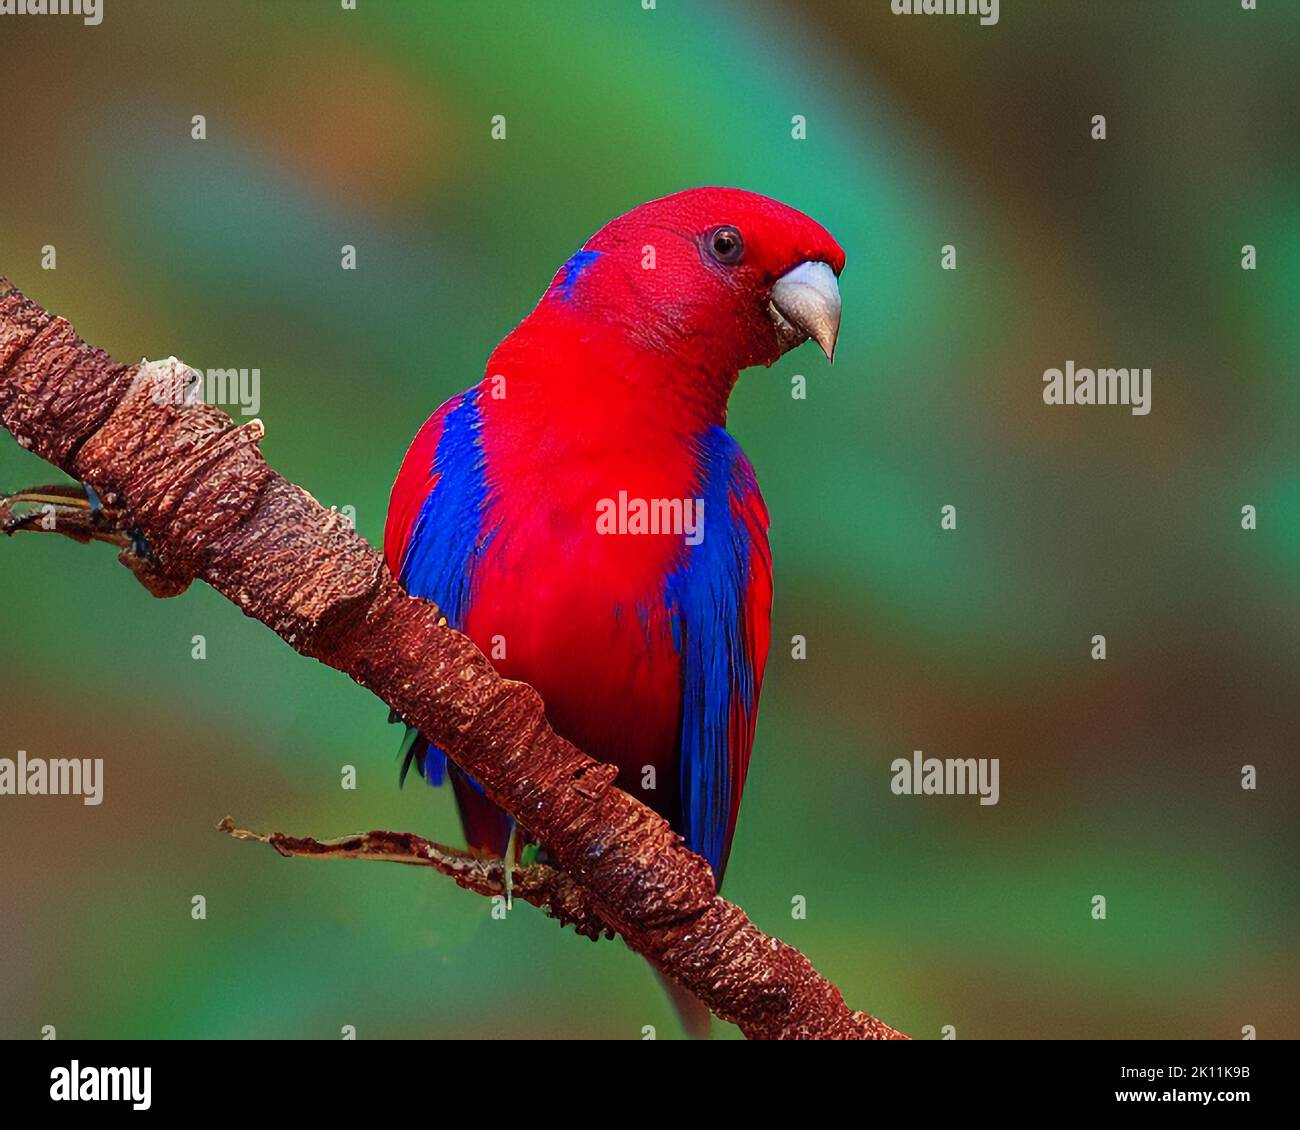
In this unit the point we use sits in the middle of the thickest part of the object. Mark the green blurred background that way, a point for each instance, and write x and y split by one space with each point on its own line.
371 128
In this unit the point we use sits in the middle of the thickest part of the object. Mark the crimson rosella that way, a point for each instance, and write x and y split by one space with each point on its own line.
584 517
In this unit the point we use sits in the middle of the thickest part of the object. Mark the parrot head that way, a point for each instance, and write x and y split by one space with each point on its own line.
719 277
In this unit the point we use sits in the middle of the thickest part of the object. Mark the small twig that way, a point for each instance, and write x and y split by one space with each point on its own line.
543 886
60 508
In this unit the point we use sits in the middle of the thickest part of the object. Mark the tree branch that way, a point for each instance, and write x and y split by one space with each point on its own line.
543 886
210 508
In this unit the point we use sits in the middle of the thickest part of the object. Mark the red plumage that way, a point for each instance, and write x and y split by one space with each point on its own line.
648 651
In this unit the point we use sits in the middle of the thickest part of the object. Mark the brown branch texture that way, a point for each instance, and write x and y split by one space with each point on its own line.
197 487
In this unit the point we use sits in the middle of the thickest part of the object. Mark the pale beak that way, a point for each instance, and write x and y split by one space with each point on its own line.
806 304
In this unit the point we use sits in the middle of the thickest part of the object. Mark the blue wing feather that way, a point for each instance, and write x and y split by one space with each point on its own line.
721 656
447 538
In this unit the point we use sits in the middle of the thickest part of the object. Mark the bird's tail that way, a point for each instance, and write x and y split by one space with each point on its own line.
691 1011
487 828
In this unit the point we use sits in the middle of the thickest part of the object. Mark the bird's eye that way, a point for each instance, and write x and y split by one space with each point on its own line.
725 245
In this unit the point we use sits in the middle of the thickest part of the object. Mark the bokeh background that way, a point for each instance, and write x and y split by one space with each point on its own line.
1119 778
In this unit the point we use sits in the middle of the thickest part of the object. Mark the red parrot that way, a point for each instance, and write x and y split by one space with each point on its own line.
583 515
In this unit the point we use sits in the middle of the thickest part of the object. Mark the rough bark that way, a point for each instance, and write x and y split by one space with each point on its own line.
211 508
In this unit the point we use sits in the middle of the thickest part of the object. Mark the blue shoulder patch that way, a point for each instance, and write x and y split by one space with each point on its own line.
705 598
574 269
